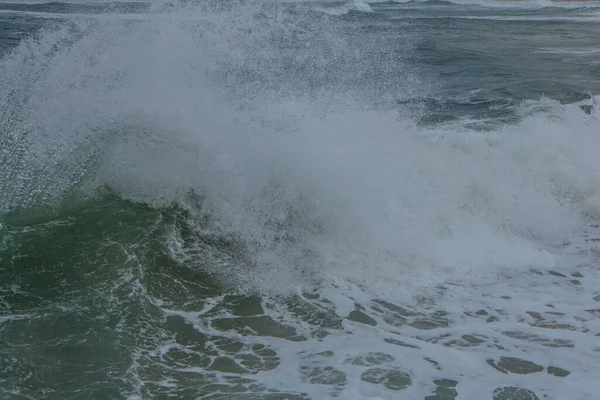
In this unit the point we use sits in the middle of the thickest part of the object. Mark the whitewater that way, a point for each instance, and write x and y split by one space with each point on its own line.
299 200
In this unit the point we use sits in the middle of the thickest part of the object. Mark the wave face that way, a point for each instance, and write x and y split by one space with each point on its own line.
284 200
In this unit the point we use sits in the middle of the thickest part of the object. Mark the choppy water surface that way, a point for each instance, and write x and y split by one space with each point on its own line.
299 200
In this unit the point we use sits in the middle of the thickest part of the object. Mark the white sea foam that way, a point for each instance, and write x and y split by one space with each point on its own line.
517 4
372 199
356 5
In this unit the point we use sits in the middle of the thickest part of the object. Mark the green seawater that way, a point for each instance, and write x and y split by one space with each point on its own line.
79 315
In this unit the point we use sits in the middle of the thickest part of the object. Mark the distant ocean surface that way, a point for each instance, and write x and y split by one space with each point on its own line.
300 200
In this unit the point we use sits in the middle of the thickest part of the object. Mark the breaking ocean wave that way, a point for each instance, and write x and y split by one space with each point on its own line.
268 201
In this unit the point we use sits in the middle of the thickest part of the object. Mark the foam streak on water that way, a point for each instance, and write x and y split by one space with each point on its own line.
257 200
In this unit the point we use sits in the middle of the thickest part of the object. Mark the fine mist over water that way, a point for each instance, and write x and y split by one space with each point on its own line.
284 129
